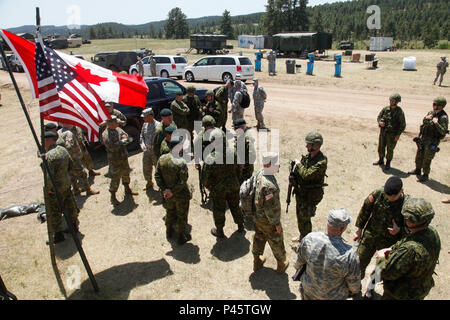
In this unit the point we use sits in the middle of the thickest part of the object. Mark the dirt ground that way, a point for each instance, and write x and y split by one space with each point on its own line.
126 246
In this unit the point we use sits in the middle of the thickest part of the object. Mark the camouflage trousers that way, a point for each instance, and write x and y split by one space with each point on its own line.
305 211
264 232
259 116
245 173
386 146
148 162
119 170
367 248
54 213
424 158
86 159
177 214
238 114
78 175
220 201
439 73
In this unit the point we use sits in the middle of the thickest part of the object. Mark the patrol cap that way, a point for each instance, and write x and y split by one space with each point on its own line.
166 112
255 80
208 121
50 126
190 89
393 186
170 129
112 119
50 135
147 112
238 123
109 104
314 137
396 96
417 211
339 217
270 157
440 101
210 93
175 141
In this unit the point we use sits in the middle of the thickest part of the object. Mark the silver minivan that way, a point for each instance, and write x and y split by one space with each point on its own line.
220 68
166 66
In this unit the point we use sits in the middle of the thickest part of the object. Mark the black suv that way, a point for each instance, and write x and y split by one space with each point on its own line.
161 93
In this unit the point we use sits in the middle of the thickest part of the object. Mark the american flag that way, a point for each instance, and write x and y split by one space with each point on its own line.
65 96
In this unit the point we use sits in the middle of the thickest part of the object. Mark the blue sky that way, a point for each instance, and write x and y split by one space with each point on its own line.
15 13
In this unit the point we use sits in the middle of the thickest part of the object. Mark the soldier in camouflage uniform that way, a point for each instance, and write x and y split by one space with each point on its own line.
166 120
308 181
60 163
267 217
121 119
195 109
432 131
441 70
391 121
237 112
146 142
115 141
244 149
86 159
331 266
180 112
259 97
69 140
407 268
379 221
172 176
204 137
165 144
222 98
219 177
213 109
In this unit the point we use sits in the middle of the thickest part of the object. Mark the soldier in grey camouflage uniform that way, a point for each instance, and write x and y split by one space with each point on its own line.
146 142
115 141
407 268
259 97
236 111
60 163
172 176
331 266
69 140
267 217
441 70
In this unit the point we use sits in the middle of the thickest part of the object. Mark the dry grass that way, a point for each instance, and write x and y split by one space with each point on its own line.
126 246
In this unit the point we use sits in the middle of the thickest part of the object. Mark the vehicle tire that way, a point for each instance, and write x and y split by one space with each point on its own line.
133 132
134 71
164 74
189 77
226 76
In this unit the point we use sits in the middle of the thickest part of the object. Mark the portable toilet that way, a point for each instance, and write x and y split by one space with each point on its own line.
338 65
310 66
258 59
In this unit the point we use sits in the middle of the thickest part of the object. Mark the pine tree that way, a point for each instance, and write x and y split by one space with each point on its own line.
225 25
430 35
317 24
176 25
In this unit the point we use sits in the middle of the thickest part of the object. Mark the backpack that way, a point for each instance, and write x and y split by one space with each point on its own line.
245 103
247 195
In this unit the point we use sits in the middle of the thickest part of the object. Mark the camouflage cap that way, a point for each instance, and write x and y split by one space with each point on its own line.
113 118
190 89
238 123
208 121
339 217
109 104
396 96
314 137
440 101
209 93
147 112
417 211
50 135
166 112
50 126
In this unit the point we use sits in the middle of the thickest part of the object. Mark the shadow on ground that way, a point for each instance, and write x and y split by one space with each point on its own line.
274 284
437 186
231 248
117 282
125 207
67 249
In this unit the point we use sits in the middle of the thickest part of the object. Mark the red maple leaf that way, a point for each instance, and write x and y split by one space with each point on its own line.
88 76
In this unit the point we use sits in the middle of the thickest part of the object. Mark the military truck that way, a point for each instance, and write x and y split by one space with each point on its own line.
299 44
208 43
115 61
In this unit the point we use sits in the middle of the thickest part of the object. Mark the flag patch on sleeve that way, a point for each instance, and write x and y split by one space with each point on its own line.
269 196
371 199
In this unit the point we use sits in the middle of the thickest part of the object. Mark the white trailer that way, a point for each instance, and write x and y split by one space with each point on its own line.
381 43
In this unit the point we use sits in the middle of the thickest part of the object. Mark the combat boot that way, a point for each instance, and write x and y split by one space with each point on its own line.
258 262
91 192
446 201
282 266
149 186
128 190
380 162
241 227
183 238
423 178
415 171
93 173
388 164
76 190
114 200
57 238
218 232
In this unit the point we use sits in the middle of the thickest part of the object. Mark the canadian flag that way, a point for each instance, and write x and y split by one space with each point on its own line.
130 90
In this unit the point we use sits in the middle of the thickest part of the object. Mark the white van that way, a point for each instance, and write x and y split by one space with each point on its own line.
221 68
166 66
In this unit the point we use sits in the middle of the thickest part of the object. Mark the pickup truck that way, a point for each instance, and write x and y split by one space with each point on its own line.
161 93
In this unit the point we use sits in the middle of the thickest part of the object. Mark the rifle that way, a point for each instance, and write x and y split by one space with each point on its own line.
291 183
419 143
298 273
202 187
4 293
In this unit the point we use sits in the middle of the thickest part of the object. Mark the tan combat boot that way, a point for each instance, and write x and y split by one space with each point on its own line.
76 190
149 186
129 191
258 262
91 192
93 173
114 200
282 266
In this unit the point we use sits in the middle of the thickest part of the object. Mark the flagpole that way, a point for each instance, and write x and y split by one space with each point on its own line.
68 219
